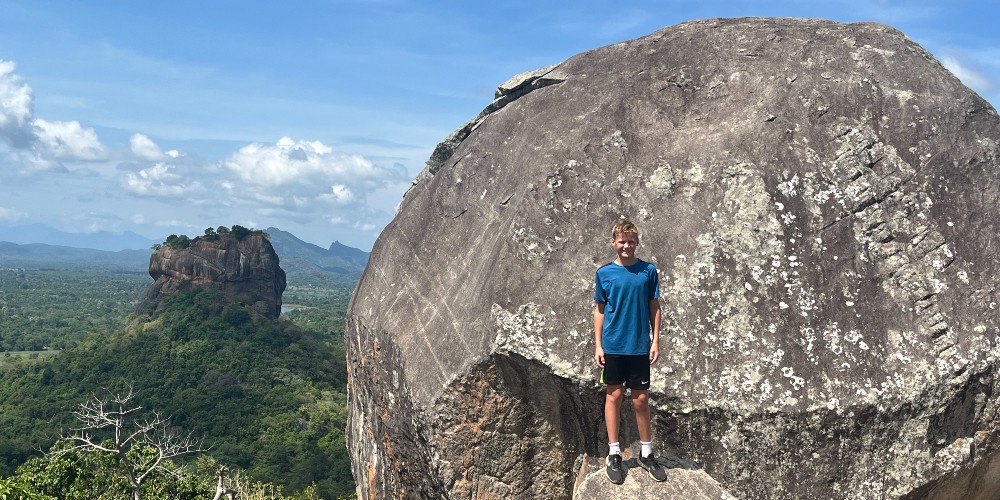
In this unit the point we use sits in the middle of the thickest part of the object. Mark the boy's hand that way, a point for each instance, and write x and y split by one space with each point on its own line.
654 354
599 357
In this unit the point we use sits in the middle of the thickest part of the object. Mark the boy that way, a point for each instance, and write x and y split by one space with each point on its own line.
626 309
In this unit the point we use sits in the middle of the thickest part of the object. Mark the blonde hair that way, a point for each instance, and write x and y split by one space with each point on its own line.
624 226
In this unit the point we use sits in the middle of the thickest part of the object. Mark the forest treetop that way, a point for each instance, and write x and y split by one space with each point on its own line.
183 241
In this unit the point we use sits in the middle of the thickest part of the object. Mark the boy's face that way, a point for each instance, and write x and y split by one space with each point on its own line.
625 245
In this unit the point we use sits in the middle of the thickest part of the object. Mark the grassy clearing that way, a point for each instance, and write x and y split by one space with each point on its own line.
11 357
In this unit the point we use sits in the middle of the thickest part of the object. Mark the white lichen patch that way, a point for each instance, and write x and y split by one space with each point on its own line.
903 96
615 140
664 179
758 247
525 332
720 305
796 381
790 187
531 245
956 455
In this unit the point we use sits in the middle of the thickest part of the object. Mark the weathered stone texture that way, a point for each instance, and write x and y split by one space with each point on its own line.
685 481
822 202
246 269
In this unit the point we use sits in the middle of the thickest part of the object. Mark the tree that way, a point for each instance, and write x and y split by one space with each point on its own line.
111 426
9 488
220 487
179 242
240 232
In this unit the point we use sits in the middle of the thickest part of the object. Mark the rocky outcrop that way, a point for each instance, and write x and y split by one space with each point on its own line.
685 481
822 202
507 92
245 269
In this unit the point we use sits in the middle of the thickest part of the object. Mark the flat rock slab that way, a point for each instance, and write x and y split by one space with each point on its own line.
685 481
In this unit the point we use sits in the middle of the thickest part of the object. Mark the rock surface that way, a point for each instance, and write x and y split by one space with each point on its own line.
822 202
685 481
245 269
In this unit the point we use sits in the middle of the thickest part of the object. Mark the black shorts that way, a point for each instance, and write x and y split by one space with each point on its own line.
630 370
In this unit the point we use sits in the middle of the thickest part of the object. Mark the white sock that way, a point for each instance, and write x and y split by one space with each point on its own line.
614 448
647 448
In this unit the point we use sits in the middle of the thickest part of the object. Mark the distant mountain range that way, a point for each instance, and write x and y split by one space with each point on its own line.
301 261
101 240
298 256
307 263
16 254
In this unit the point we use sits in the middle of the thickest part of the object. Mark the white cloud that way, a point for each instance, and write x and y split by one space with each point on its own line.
9 214
143 147
171 223
969 76
15 106
342 193
29 161
290 181
298 173
159 181
293 162
67 141
271 200
39 144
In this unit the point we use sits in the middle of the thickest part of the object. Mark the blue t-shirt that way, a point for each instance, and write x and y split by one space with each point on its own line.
626 293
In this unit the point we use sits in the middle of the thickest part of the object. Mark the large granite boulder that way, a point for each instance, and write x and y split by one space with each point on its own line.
822 202
242 266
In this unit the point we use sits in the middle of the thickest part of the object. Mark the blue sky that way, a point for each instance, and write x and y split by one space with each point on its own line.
312 116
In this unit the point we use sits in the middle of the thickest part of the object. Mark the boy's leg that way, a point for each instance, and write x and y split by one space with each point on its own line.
643 419
612 417
613 376
612 410
640 403
638 383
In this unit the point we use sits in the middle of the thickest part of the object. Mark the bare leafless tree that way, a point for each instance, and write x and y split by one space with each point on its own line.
113 423
221 489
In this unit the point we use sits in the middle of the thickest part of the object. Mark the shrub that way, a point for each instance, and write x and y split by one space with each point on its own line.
177 242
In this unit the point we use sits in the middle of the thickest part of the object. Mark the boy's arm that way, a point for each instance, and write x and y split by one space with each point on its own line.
598 332
654 320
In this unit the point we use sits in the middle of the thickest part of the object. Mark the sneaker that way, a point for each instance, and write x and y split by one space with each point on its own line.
652 466
616 472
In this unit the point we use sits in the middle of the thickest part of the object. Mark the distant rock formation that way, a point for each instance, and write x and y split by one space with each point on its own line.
245 269
823 202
